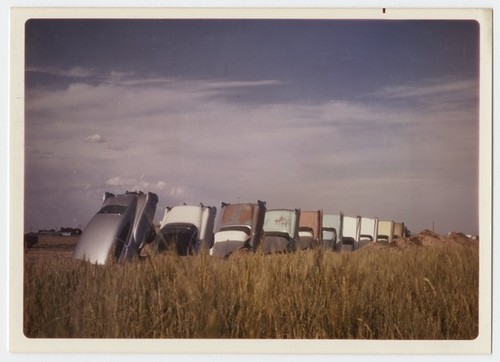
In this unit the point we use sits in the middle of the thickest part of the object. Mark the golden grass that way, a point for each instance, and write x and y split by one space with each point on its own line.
373 293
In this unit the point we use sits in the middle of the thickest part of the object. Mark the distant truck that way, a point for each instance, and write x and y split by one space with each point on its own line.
187 229
310 229
120 229
332 230
351 232
280 231
240 227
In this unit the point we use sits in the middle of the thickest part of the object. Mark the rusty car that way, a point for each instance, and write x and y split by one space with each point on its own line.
240 227
310 229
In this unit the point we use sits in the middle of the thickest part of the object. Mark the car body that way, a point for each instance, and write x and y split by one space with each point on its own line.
188 229
310 229
399 229
332 230
280 232
351 232
369 230
120 229
385 233
240 227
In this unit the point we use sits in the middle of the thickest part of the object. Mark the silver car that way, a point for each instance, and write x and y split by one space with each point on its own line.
120 229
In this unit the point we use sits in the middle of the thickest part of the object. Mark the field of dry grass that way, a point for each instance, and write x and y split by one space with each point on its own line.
425 287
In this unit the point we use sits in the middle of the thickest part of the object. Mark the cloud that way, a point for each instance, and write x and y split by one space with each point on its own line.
134 182
195 145
95 138
178 192
432 88
73 72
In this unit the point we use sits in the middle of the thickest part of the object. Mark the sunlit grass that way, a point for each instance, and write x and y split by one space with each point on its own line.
388 293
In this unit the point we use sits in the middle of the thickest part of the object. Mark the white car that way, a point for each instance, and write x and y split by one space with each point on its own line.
280 232
186 228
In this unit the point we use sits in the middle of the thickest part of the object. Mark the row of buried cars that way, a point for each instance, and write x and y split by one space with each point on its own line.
124 225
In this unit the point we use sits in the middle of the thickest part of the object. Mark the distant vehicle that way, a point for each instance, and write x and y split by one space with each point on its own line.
186 228
332 230
240 227
351 232
69 231
280 232
310 229
30 239
120 229
369 230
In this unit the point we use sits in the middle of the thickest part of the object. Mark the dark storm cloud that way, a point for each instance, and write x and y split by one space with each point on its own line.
322 59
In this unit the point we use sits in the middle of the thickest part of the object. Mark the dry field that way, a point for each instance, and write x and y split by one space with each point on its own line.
423 287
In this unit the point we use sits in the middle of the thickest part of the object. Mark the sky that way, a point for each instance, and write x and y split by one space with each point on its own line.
371 118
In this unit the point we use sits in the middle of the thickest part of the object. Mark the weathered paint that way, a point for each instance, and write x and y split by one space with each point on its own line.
238 214
385 231
283 221
310 229
399 229
280 230
239 218
332 230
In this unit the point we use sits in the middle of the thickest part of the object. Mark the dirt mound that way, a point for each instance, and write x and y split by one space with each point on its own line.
373 248
459 237
428 237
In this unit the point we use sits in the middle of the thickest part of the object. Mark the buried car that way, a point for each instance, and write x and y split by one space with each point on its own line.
280 232
385 233
332 230
119 230
240 227
351 231
369 230
310 229
186 228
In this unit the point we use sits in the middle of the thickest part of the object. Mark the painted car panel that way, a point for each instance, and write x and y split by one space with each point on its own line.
310 229
239 218
385 231
332 230
369 230
280 231
351 231
399 229
120 228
